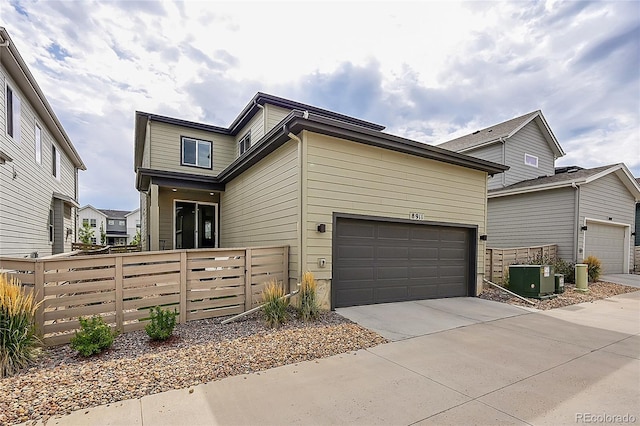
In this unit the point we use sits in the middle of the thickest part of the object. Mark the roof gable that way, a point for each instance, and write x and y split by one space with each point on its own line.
502 132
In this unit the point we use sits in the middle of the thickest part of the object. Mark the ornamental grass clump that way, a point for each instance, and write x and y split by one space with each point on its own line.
307 298
19 343
94 336
275 304
162 324
594 266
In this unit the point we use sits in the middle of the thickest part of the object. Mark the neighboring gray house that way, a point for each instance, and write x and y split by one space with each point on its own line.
584 211
38 165
120 226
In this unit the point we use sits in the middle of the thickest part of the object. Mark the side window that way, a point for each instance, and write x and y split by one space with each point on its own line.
531 160
196 153
85 222
55 162
121 223
38 144
244 144
93 223
51 226
110 222
13 114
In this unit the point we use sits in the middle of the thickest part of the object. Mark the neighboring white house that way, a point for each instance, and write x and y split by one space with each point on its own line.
120 226
133 224
95 219
38 165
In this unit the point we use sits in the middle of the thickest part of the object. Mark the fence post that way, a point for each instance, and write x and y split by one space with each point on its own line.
38 287
119 294
248 294
182 317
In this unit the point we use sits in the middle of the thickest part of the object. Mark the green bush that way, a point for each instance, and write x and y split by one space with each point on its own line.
19 344
594 266
162 324
275 304
94 336
568 269
308 308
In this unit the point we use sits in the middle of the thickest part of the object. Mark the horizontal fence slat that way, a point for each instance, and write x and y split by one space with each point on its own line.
151 279
214 313
193 305
151 290
218 283
82 287
82 311
82 299
83 274
199 275
156 268
150 302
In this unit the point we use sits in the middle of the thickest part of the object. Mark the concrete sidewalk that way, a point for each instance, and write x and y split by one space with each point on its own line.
564 366
632 280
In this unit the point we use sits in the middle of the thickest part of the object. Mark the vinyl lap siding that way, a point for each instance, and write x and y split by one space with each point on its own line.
348 177
538 218
256 126
606 198
26 200
528 140
275 115
165 149
260 207
491 153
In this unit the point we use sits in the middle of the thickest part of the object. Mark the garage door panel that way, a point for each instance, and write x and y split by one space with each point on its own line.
401 261
606 242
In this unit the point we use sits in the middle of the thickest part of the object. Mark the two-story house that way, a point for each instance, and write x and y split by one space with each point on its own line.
376 217
38 165
584 211
120 227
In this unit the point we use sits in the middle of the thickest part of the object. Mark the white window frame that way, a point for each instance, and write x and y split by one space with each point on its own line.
93 223
244 144
531 160
85 222
55 165
12 113
111 222
51 226
199 143
38 143
122 223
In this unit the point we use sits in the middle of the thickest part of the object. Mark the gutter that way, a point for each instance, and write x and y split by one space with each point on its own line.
576 223
301 205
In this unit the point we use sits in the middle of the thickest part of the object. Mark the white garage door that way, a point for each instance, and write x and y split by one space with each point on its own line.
606 242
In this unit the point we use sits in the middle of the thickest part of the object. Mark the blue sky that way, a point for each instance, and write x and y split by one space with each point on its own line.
429 71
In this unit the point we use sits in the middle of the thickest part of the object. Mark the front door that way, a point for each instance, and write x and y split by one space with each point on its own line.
195 225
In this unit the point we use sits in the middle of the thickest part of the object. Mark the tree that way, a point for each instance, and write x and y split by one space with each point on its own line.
103 235
85 233
136 240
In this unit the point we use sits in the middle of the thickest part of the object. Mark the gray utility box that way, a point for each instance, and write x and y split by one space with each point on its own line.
559 283
532 280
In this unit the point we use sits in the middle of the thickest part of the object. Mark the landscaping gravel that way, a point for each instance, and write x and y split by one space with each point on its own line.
200 351
597 290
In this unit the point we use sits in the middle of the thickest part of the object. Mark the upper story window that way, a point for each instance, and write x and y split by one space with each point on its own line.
531 160
55 162
51 226
93 223
38 144
13 114
196 153
85 222
121 223
111 222
245 143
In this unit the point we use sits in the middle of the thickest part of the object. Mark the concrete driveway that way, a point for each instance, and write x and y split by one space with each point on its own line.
625 279
574 365
403 320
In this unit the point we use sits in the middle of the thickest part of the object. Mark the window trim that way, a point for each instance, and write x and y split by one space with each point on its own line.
196 140
51 226
13 107
530 157
242 143
55 162
37 135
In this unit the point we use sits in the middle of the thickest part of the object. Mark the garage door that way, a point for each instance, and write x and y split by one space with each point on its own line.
379 262
606 242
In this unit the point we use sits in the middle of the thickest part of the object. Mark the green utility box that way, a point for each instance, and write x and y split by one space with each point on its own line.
532 280
559 283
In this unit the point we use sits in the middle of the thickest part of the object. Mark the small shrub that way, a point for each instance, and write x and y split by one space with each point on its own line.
162 324
19 344
275 304
568 269
94 336
594 266
307 298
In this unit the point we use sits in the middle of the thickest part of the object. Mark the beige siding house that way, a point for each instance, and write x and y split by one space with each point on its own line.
38 165
375 217
584 211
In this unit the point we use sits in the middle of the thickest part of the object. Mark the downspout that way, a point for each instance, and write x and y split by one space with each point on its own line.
264 117
576 222
301 252
504 159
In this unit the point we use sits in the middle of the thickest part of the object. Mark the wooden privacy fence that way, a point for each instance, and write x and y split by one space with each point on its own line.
636 259
122 287
497 260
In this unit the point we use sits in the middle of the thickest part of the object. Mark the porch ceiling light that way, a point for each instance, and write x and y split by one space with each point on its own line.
174 189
